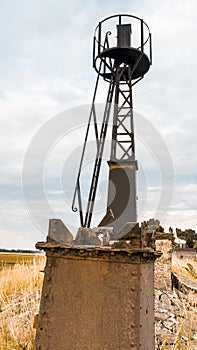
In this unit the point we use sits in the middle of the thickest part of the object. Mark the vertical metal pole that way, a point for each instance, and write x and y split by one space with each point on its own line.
94 41
99 39
97 164
142 35
114 127
150 36
131 110
80 203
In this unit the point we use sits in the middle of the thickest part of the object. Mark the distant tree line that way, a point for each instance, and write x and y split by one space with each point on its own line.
189 235
3 250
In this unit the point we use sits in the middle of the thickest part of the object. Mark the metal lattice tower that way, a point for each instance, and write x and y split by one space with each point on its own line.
80 306
121 58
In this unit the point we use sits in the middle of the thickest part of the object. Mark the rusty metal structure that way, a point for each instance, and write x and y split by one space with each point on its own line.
122 55
99 293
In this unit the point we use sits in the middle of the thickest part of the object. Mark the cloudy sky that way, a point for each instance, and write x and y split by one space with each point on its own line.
46 78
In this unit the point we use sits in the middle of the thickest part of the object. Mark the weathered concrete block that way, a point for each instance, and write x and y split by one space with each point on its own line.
58 232
105 234
86 236
96 298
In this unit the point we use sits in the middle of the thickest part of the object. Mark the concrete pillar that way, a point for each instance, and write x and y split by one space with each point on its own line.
99 298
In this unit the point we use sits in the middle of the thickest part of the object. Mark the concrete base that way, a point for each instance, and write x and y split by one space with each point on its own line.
96 298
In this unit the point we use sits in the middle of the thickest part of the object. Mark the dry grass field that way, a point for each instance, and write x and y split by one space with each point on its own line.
14 258
185 267
20 286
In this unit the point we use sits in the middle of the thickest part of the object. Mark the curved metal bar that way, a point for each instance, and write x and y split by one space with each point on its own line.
118 16
145 42
122 15
135 82
108 33
74 208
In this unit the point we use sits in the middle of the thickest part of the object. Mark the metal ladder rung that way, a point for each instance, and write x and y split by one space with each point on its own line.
124 141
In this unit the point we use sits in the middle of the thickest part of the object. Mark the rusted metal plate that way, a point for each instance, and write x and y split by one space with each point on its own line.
109 253
124 35
122 193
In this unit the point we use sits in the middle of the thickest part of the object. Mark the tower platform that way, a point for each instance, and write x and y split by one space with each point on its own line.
130 56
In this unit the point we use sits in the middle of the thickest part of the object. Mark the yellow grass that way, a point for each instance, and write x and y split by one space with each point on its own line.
20 288
13 258
185 267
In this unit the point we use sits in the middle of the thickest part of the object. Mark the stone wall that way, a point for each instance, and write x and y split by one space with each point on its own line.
163 264
175 311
